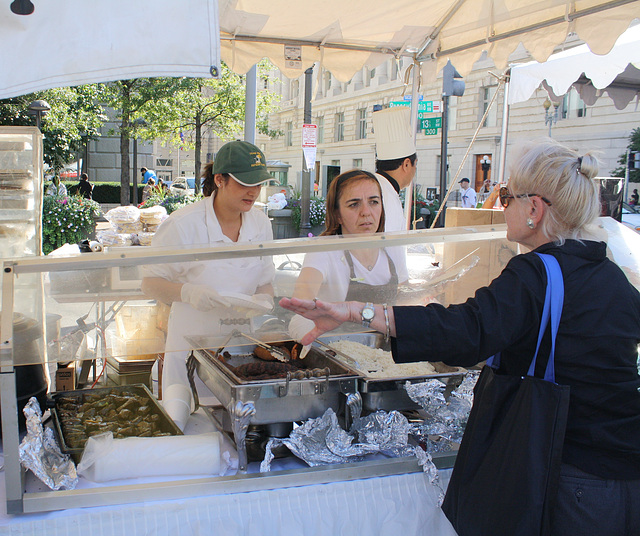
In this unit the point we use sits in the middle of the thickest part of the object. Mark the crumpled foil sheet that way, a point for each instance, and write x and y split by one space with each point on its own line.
40 453
321 441
446 418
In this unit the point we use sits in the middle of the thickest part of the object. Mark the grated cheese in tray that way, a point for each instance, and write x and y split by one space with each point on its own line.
378 363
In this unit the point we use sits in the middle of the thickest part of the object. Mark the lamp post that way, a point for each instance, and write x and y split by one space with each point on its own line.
550 118
39 108
485 164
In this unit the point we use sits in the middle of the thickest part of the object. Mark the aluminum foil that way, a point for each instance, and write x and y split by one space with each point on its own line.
446 418
322 441
40 453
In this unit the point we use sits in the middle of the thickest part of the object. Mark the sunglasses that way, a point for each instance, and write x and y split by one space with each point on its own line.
505 196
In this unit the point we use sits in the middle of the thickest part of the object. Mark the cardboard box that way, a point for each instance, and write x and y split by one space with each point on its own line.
66 379
469 217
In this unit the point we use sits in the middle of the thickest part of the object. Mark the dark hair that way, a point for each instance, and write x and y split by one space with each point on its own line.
84 177
336 188
142 170
392 165
209 184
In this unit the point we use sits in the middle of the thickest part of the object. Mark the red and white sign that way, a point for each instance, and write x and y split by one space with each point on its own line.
309 144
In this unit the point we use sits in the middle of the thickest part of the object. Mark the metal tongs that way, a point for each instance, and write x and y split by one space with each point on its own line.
275 352
350 361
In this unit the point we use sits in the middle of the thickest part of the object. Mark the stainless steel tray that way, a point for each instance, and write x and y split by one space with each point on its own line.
388 393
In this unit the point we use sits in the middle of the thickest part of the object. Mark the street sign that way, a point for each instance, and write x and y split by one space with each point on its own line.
423 107
431 131
409 97
431 122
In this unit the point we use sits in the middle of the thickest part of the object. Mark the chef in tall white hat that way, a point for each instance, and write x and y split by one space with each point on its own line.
396 160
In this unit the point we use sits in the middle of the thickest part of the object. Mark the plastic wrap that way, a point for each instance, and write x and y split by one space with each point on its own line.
39 452
106 458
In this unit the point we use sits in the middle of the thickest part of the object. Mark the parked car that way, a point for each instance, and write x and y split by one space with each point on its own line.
631 216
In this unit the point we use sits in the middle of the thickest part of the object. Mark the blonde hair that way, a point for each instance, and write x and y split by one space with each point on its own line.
559 174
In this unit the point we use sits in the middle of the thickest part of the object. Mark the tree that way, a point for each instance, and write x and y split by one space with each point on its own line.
633 146
75 117
206 105
131 100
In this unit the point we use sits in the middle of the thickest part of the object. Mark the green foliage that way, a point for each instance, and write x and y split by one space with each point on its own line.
170 202
75 117
634 146
67 220
317 210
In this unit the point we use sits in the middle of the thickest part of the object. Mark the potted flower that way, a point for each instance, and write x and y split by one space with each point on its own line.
317 213
67 220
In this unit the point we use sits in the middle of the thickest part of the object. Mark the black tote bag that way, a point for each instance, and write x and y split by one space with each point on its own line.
505 477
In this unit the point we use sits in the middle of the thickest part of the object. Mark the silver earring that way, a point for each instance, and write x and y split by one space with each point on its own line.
530 223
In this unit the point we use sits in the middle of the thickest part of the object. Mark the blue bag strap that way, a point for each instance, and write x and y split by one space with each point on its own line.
553 302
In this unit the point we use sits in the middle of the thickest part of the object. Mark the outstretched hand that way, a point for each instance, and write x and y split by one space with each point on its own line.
325 315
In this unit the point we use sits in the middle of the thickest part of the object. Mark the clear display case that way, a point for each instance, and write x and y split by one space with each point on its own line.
128 328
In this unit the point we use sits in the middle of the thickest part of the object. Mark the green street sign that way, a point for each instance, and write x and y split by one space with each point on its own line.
431 122
423 106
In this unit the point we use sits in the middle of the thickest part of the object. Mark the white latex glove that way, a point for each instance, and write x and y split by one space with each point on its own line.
299 326
202 297
258 303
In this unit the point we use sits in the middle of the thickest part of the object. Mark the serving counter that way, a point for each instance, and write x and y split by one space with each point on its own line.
444 265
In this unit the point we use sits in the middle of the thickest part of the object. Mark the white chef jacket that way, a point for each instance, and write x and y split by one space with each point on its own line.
393 212
336 274
468 198
197 224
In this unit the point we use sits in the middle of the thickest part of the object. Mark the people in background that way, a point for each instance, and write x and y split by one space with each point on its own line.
148 189
467 194
485 191
634 197
147 174
56 187
550 202
396 161
85 188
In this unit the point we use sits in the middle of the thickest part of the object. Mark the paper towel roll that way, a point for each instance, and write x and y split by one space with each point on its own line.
107 459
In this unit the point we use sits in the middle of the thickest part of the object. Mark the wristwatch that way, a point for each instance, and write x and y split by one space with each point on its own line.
367 314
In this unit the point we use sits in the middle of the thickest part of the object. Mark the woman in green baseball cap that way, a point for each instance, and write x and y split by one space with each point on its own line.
221 295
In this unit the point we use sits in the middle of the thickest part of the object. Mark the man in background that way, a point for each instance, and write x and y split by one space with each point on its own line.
396 161
85 188
147 174
467 194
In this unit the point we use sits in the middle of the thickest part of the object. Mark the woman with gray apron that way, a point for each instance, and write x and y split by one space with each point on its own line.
354 206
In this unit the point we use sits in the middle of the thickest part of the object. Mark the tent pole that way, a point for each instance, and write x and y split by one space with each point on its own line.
408 194
505 127
305 187
250 105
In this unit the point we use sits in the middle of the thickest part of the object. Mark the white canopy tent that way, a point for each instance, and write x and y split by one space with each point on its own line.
616 73
70 42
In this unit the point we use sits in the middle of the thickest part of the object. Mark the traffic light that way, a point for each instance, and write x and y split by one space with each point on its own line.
634 160
451 87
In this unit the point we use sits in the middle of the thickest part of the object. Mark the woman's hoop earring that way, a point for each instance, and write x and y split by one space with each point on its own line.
530 223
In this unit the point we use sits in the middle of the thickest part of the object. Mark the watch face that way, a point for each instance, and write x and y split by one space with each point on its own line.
368 312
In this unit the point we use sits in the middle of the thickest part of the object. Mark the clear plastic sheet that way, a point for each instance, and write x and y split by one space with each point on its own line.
445 418
40 453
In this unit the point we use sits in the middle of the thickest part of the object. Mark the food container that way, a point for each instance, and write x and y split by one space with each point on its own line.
389 393
73 429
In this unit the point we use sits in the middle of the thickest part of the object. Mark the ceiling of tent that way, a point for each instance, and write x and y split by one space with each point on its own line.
435 29
617 73
70 42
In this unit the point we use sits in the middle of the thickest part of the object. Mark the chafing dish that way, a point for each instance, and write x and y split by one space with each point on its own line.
387 393
323 382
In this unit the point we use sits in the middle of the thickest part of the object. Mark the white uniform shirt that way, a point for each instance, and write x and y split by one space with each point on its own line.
468 198
336 274
393 212
197 224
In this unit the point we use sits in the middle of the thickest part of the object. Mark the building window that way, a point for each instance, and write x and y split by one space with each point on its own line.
295 88
320 123
361 124
357 163
164 162
572 106
288 137
487 94
338 129
335 163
